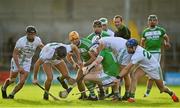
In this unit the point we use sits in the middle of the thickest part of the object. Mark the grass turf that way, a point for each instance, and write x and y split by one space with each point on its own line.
31 96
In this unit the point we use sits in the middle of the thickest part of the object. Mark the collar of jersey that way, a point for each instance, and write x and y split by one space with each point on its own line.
153 28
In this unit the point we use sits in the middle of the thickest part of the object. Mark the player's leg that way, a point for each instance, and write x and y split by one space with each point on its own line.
7 82
165 89
150 80
123 59
101 92
149 86
117 94
106 80
47 67
10 80
91 80
80 84
137 75
22 78
127 81
61 66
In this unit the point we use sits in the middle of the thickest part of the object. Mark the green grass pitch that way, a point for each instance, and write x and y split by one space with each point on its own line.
31 96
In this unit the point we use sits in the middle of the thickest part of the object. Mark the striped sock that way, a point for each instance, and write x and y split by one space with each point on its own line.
131 95
90 86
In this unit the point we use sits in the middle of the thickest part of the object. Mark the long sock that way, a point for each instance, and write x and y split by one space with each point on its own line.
116 93
148 91
170 93
90 86
101 89
3 88
167 90
112 92
131 95
12 93
127 94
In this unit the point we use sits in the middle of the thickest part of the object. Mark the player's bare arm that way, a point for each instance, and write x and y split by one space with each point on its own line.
15 57
77 53
70 59
166 41
36 69
125 70
142 43
101 46
41 46
92 58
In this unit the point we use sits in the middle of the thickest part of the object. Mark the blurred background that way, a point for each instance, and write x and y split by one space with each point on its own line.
54 19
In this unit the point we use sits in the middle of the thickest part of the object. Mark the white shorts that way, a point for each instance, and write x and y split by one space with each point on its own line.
106 79
123 57
154 73
157 56
26 66
54 62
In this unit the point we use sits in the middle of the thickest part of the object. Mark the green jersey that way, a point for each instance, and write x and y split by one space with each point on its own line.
153 38
84 48
93 37
123 31
109 63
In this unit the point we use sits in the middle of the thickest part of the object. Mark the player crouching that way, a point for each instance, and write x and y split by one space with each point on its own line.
147 65
105 76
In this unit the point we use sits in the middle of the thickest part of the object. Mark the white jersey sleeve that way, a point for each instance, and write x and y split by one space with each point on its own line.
19 44
39 42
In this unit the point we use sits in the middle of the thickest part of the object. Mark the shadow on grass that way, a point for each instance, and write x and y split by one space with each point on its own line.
80 103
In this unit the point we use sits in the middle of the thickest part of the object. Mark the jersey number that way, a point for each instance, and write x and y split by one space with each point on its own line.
147 54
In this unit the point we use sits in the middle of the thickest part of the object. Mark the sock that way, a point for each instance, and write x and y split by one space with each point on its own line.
170 93
148 91
116 93
112 91
90 86
12 93
3 88
83 94
126 94
131 95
